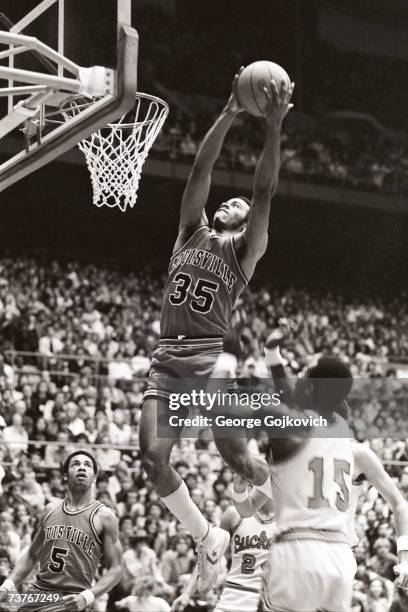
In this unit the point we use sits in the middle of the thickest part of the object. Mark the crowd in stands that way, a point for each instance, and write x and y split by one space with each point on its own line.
84 334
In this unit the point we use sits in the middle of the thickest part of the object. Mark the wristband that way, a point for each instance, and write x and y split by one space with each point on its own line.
273 356
402 543
239 497
88 596
226 362
9 585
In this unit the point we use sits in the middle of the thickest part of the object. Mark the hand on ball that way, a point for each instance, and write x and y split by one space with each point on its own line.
233 106
278 104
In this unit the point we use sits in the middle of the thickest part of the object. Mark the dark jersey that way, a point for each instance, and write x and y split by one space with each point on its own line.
71 551
204 282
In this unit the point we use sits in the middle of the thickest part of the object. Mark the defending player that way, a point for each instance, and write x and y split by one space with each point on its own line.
73 535
251 538
208 270
366 465
311 483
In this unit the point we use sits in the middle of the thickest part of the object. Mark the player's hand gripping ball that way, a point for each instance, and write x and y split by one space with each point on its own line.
251 83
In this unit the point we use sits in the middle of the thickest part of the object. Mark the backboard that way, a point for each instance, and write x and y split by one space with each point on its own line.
52 51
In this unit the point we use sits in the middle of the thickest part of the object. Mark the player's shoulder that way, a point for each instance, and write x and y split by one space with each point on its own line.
365 460
50 507
187 233
106 517
361 452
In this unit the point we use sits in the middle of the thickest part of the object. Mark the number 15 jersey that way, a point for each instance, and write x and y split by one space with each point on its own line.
312 489
204 282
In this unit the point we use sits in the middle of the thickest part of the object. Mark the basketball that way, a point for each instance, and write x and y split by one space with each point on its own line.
251 82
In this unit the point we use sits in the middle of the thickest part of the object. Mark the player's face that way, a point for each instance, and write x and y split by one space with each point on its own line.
231 214
81 472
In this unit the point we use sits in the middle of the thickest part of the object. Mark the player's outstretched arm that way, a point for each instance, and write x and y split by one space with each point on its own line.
275 361
252 245
367 463
198 184
112 553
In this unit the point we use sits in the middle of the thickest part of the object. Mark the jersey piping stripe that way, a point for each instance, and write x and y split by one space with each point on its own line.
238 587
91 519
50 512
234 254
183 246
66 511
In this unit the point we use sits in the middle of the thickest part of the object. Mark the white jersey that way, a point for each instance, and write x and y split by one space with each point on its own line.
250 545
356 490
312 489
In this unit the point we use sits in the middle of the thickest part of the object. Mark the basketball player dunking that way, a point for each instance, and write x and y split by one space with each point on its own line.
73 535
208 270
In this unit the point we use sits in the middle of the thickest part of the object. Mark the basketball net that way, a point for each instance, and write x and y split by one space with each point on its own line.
116 153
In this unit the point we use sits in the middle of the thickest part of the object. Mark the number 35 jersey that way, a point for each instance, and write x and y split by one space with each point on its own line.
205 280
71 550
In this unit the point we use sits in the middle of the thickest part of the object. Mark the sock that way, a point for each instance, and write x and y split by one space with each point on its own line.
184 509
226 365
266 488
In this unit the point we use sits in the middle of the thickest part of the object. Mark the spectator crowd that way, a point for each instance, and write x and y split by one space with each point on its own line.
76 341
360 158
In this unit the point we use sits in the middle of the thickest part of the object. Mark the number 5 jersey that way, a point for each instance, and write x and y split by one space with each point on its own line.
71 550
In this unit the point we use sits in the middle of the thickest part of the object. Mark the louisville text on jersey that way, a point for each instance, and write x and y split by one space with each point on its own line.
71 534
206 261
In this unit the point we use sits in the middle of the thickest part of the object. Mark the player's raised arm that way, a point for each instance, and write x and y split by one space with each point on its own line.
112 553
252 245
198 184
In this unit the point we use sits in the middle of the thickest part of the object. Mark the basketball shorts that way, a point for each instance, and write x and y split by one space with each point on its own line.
308 575
237 600
186 358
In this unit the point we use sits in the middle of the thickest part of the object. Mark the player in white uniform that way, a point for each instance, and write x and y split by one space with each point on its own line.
251 538
313 524
311 482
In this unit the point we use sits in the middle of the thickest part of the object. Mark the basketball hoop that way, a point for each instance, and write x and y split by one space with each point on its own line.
116 153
